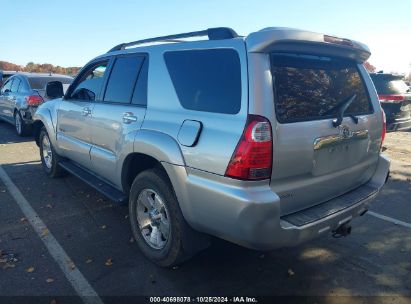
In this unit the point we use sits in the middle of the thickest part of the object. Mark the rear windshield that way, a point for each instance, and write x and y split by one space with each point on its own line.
39 83
385 86
310 87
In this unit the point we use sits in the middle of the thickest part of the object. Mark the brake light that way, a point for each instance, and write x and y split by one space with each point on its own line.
34 100
337 40
391 98
252 158
384 126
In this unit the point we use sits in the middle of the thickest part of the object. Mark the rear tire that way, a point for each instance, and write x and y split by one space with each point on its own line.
49 158
22 129
149 219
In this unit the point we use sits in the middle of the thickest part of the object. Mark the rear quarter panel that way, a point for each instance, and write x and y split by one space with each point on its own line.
220 132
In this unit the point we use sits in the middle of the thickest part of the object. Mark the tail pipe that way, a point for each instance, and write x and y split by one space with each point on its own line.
342 231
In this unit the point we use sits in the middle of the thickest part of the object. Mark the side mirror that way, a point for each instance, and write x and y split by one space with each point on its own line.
54 89
7 91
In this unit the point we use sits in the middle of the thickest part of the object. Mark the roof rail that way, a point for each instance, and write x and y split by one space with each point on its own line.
216 33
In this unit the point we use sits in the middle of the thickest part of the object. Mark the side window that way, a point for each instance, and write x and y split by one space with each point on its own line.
15 85
90 85
123 79
140 91
23 87
7 86
206 80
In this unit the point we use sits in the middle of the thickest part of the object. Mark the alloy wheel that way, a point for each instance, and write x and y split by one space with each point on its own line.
153 219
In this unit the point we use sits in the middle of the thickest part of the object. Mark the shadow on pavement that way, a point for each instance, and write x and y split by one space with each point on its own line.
374 260
9 135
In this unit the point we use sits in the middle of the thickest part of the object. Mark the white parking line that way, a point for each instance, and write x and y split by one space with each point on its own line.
74 276
389 219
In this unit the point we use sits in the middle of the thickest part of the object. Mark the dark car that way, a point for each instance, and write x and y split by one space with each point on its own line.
395 98
22 93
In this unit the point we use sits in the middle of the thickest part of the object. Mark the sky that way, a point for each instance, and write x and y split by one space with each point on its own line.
70 33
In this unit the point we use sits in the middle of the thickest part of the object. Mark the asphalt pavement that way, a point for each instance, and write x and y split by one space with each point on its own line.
373 264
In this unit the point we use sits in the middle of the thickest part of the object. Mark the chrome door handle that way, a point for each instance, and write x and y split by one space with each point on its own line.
129 117
86 111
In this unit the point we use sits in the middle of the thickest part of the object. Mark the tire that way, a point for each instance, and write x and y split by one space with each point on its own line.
22 129
181 242
49 158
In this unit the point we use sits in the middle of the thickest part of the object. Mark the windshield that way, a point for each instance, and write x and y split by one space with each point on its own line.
311 87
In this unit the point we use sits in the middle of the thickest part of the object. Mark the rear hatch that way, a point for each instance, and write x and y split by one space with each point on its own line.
394 95
315 157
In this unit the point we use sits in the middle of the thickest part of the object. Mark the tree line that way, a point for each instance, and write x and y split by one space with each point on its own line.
39 68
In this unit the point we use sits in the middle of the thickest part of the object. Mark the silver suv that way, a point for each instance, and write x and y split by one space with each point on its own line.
266 141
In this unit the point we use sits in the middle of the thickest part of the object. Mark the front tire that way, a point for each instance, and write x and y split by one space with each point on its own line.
158 225
49 157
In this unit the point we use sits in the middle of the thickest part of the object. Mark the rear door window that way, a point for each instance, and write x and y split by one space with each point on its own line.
23 87
123 78
310 87
15 85
206 80
140 91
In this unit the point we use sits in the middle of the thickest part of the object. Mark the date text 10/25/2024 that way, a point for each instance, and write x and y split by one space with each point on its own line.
203 300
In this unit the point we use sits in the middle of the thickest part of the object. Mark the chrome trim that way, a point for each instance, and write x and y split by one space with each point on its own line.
333 140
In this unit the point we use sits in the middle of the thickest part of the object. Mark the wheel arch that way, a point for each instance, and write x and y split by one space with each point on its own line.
42 118
154 149
150 149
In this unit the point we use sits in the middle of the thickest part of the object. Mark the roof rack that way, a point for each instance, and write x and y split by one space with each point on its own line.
216 33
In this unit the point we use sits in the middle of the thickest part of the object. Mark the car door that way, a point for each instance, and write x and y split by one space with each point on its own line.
4 98
10 105
76 111
119 114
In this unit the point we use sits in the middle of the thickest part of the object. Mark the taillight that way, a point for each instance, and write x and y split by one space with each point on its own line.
252 158
384 126
393 98
34 100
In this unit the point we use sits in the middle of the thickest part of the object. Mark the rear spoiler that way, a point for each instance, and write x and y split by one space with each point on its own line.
281 39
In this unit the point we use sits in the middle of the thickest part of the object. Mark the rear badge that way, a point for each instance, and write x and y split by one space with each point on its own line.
345 131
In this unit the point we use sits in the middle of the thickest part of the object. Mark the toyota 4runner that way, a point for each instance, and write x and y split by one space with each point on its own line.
266 141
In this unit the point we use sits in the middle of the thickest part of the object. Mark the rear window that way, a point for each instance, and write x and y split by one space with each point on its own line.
310 87
39 83
206 80
386 86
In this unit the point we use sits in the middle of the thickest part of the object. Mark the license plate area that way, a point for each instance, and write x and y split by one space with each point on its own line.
337 152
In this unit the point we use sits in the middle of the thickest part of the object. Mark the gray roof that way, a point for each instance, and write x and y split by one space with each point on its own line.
37 75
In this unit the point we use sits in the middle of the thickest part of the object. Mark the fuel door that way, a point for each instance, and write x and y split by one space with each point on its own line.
189 133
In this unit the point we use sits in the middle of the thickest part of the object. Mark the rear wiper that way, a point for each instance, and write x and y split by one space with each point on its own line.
342 107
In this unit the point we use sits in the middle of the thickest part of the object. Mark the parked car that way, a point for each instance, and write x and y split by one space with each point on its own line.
395 98
266 141
22 93
4 75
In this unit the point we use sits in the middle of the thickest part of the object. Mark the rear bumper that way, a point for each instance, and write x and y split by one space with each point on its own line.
28 113
251 216
398 116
